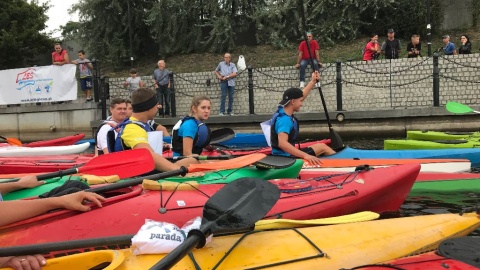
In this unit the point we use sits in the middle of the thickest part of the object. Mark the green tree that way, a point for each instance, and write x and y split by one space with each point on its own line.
21 36
105 29
70 30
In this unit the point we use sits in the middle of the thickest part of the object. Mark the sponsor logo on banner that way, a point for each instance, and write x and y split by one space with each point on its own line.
28 81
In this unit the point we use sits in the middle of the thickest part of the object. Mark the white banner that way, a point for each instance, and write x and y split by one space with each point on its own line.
38 84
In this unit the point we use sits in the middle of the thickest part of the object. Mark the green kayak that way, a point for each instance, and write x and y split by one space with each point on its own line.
422 135
215 177
439 144
446 191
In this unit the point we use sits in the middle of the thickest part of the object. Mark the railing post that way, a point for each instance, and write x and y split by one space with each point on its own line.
104 97
436 81
339 85
251 100
96 79
173 106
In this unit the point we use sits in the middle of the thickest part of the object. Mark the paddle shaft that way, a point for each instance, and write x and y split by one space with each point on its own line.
222 157
178 253
48 175
66 245
337 142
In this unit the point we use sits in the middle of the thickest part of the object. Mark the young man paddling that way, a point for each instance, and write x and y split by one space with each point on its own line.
118 112
284 126
133 131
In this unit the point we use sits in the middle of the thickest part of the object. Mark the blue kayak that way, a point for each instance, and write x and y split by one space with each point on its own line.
472 154
240 140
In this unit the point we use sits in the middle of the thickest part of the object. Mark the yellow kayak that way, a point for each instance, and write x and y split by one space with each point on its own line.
319 247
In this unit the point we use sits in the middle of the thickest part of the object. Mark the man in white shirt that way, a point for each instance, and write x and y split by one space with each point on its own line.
118 112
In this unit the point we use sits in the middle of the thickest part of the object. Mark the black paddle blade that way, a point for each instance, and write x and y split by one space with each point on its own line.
221 135
336 142
275 162
465 249
235 207
238 205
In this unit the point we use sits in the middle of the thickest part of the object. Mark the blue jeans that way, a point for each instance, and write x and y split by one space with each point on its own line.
230 90
303 66
163 98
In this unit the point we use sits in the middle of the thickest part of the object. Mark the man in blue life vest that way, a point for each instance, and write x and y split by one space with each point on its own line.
133 131
284 126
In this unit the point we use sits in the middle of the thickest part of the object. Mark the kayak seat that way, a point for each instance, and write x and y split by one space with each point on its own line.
70 186
451 141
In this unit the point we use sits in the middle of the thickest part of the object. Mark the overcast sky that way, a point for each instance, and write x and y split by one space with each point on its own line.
58 14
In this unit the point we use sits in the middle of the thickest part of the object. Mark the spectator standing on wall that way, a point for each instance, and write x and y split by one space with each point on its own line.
466 46
304 57
60 55
86 78
162 88
133 82
414 48
449 48
226 72
391 46
372 49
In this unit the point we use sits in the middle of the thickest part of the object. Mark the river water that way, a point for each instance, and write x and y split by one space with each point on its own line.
433 203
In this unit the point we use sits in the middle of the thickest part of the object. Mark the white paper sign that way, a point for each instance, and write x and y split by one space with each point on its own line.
155 139
266 128
38 84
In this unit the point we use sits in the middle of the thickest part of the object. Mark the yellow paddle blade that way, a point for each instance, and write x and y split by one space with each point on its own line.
291 223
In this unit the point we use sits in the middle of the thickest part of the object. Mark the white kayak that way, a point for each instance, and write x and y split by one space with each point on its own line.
427 165
18 151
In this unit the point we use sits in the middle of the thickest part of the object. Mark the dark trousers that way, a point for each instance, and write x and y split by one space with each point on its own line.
163 98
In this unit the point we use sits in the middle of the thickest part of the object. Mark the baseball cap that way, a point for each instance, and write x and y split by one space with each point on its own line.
446 36
391 31
289 94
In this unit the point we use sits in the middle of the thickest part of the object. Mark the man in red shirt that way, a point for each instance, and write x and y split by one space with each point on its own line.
304 57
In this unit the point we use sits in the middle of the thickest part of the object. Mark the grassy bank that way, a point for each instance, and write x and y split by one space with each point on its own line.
268 56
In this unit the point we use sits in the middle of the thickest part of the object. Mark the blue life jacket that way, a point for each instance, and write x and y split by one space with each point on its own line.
292 136
117 144
202 138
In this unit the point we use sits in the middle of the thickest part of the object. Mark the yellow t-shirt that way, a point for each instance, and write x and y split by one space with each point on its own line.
134 134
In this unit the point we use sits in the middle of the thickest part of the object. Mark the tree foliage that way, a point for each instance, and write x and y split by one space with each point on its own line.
105 28
21 37
166 27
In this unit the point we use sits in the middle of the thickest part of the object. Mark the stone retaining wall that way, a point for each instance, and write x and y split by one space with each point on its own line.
401 83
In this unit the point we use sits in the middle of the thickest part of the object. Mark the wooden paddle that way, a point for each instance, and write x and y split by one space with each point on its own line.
336 141
12 141
124 164
459 108
260 160
127 239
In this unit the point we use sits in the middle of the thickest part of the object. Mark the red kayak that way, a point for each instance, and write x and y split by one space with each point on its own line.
52 163
63 141
460 253
380 190
41 164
